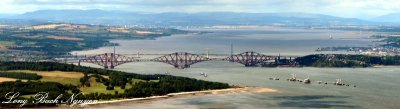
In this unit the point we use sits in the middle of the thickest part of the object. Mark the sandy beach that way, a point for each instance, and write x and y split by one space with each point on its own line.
175 95
4 79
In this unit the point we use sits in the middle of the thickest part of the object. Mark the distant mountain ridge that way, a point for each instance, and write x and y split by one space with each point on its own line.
393 17
184 19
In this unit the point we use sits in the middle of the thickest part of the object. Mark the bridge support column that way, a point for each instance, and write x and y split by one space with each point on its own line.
181 66
250 65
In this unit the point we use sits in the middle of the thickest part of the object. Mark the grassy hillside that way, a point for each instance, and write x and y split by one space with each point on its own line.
94 83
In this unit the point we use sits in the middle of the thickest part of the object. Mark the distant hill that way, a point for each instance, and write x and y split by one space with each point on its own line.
393 17
183 19
7 21
6 15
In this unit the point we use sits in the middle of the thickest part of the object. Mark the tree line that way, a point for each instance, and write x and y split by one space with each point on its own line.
20 75
344 60
166 83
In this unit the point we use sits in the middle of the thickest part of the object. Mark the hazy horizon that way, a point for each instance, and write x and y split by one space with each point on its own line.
362 9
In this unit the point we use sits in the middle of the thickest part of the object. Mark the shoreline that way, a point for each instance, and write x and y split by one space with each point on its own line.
246 89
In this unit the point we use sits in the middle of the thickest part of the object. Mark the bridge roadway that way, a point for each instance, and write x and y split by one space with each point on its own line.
179 60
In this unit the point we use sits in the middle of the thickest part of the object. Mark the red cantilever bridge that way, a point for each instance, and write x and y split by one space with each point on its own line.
178 60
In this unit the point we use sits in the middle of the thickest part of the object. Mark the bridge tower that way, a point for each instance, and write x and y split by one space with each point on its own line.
231 56
207 52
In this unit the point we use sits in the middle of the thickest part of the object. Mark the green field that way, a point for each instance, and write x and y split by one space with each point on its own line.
73 79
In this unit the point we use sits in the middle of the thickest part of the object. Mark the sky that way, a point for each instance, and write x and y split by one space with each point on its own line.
363 9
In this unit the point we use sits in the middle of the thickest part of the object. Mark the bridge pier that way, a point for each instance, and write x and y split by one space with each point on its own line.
181 66
249 65
107 67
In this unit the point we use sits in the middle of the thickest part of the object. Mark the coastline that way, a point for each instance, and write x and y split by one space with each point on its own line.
246 89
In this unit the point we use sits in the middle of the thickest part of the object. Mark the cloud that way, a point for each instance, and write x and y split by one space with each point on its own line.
343 8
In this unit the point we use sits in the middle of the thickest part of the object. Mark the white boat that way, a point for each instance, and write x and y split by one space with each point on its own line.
205 75
307 80
274 78
339 82
293 78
